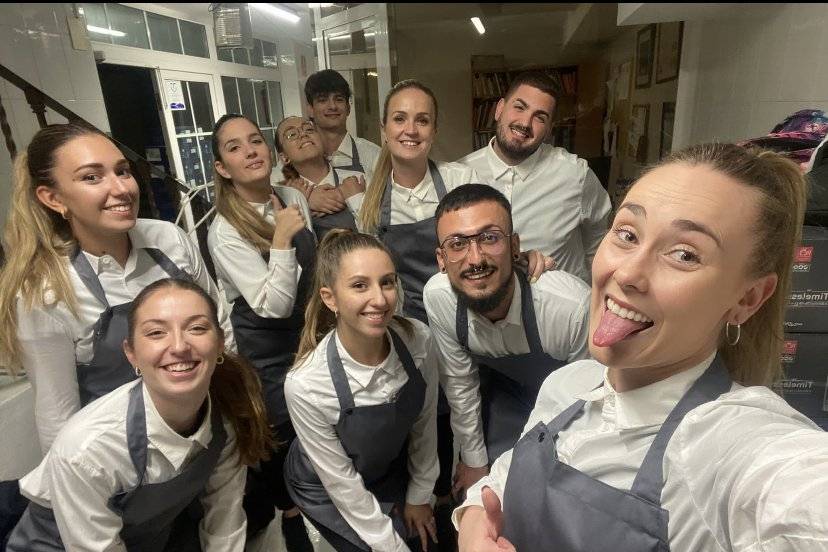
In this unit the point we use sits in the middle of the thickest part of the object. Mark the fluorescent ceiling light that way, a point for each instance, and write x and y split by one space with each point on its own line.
277 11
372 73
319 5
478 25
101 30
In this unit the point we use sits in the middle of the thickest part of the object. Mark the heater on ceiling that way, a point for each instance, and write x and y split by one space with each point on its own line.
232 26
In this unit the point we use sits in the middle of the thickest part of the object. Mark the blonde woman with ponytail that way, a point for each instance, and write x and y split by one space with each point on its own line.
76 257
363 399
670 438
264 250
123 473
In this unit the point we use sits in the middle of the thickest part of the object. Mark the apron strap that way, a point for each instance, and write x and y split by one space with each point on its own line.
385 210
335 176
402 352
164 262
649 481
88 276
356 164
340 379
562 420
136 434
437 178
527 307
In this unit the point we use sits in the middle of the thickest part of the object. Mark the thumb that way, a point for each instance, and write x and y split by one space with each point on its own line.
277 205
494 515
362 179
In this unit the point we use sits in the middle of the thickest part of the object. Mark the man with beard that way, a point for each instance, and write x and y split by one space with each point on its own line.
559 206
499 334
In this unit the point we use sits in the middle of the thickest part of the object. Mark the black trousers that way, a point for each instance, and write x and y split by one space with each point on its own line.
445 454
344 545
266 488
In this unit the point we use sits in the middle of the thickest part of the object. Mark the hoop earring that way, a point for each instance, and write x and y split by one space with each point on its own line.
738 327
137 371
336 313
64 215
220 359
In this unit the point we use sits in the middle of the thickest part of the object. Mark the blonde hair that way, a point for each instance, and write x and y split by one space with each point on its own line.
245 219
755 359
369 213
319 320
234 385
37 240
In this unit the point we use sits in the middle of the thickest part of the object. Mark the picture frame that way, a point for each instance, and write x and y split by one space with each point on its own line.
637 144
668 118
668 52
644 56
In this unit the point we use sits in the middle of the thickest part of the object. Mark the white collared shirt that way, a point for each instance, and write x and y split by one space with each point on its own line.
561 305
355 201
558 204
368 154
268 287
745 472
410 205
90 462
52 340
314 410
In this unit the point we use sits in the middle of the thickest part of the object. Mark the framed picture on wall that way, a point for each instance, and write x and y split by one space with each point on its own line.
637 142
668 117
644 52
668 53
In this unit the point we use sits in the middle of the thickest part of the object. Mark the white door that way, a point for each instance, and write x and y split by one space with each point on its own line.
191 108
355 43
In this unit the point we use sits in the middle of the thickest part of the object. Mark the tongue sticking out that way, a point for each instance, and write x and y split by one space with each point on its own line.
613 329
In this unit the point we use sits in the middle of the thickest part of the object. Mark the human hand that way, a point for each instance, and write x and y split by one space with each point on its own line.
299 184
352 186
289 221
535 263
326 199
420 517
481 528
465 477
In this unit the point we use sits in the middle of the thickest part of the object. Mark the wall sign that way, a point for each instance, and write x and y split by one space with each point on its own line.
175 95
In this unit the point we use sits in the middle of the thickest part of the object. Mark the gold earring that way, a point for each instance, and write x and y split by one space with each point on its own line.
137 371
64 214
220 359
732 341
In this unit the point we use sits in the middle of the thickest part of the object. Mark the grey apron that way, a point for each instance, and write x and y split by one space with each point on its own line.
271 343
342 219
374 437
412 246
509 384
152 513
356 164
549 502
109 368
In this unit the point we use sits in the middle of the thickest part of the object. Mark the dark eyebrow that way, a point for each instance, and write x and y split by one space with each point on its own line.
635 208
480 230
691 226
90 166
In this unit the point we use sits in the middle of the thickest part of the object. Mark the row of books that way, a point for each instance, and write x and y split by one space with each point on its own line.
490 84
480 139
484 114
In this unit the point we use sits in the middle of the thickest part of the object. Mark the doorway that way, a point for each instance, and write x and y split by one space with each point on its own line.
134 120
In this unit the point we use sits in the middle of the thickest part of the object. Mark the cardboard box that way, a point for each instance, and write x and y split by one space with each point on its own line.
808 309
805 387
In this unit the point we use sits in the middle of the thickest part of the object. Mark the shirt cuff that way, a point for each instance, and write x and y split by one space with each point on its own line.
282 255
234 542
417 494
476 458
355 202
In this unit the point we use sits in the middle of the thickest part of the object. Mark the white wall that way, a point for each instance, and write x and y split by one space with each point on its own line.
747 74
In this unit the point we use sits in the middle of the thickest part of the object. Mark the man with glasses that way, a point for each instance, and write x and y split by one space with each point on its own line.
499 334
303 160
559 204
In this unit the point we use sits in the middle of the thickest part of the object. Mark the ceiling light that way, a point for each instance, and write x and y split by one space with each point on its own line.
277 11
372 73
311 6
102 30
478 25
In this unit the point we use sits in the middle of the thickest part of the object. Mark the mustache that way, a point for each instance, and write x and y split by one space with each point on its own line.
476 269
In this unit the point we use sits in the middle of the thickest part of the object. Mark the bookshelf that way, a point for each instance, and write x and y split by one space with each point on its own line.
490 84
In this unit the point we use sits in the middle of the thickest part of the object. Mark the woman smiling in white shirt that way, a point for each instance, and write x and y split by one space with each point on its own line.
128 469
362 397
669 440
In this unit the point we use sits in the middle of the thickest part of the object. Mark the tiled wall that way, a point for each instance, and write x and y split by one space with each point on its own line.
35 44
753 72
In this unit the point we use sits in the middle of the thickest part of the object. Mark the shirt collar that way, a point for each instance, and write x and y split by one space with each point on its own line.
422 191
344 148
175 448
328 178
137 241
499 168
363 373
514 317
646 406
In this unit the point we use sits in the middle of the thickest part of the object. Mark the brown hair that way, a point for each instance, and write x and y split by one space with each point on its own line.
369 212
319 320
37 240
245 219
234 386
548 84
755 359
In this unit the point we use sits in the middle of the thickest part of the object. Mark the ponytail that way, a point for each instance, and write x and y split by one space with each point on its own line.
234 387
319 320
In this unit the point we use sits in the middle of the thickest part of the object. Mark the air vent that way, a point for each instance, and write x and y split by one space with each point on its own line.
232 26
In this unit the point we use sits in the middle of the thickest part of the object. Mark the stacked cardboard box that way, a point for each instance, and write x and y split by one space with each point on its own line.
805 359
